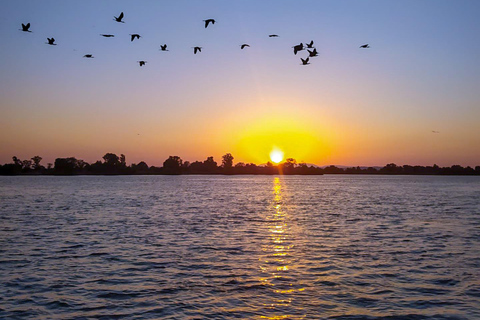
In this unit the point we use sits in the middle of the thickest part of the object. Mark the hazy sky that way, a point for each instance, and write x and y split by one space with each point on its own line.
350 106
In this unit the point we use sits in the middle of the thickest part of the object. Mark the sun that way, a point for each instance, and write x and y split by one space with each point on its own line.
276 155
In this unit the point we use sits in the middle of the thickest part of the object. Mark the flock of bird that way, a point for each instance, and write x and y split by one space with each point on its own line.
297 48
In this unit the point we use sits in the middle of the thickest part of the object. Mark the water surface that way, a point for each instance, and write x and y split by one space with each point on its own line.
240 247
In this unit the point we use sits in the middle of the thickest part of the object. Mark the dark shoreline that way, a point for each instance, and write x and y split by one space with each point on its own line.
174 165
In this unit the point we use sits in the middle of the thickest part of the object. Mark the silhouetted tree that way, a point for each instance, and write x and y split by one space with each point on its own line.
227 161
172 165
333 170
140 168
26 165
65 166
289 166
111 159
210 165
391 168
123 162
36 162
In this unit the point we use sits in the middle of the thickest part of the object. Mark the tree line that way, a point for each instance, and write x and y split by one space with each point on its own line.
116 165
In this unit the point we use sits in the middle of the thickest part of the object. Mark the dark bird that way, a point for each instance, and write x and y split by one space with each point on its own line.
313 53
133 36
433 131
119 18
310 45
88 56
26 27
107 35
163 48
244 45
273 35
298 47
305 61
365 46
141 62
208 21
197 49
51 41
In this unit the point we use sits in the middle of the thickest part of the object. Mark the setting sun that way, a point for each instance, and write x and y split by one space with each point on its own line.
276 155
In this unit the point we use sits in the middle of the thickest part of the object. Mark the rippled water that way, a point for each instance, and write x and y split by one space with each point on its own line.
241 247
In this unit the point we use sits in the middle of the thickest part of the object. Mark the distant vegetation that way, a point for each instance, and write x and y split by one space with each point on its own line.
113 164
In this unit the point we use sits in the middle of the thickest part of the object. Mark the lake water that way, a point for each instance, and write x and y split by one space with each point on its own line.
240 247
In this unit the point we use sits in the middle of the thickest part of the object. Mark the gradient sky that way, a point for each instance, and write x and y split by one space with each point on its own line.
350 106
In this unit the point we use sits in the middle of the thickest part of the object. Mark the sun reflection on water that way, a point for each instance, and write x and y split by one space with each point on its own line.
278 262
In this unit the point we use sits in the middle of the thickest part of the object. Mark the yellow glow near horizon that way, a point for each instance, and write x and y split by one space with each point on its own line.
276 155
274 138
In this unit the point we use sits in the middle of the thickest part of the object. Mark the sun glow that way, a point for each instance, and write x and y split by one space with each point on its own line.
276 155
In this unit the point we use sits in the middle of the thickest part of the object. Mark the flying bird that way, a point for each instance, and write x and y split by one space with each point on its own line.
208 21
305 61
365 46
133 36
273 35
298 47
51 41
141 62
119 18
26 27
310 45
88 56
313 53
163 48
433 131
107 35
197 49
244 45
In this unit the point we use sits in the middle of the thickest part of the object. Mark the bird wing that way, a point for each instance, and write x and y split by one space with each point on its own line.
53 39
28 25
206 23
132 36
120 17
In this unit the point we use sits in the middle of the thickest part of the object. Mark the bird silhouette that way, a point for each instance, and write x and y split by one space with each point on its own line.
365 46
26 27
163 48
313 53
107 35
433 131
133 36
298 47
310 45
141 62
244 45
305 61
88 56
119 18
273 35
51 41
208 21
197 49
